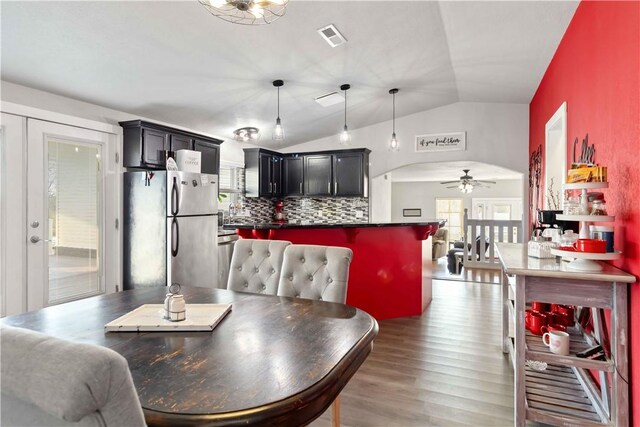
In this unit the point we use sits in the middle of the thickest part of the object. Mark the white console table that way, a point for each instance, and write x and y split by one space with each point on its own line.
565 394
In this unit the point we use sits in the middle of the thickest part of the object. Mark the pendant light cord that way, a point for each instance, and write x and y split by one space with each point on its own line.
345 108
394 113
278 101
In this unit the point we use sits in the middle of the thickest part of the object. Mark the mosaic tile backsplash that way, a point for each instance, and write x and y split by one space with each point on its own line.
326 210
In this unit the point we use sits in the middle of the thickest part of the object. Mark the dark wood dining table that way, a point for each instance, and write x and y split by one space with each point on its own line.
271 360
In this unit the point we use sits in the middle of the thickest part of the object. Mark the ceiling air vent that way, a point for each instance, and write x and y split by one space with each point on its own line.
331 34
330 99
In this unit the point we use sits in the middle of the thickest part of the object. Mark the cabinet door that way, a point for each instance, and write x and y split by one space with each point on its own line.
209 157
179 142
155 143
265 184
293 176
348 174
276 175
317 179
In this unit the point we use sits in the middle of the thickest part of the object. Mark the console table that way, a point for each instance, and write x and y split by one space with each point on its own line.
565 394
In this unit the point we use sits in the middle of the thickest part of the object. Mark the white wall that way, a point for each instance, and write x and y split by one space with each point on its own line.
497 134
230 151
379 199
423 195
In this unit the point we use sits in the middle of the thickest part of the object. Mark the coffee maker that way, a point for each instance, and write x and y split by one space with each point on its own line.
546 220
279 217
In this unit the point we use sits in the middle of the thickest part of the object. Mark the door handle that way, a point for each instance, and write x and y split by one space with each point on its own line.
335 187
175 243
174 197
36 239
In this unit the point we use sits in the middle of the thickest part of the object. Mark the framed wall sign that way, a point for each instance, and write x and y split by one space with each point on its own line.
456 141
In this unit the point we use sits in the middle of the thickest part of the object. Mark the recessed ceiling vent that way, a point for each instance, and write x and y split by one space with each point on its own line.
330 99
331 34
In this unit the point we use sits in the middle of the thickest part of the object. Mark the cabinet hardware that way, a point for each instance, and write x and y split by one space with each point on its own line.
270 188
329 187
301 188
335 187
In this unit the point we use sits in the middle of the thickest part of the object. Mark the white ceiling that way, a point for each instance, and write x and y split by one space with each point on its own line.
449 171
174 62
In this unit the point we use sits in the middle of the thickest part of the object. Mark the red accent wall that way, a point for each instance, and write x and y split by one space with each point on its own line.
596 70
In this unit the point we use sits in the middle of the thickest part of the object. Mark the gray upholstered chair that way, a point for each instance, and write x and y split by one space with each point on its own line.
47 381
440 243
315 272
256 266
319 273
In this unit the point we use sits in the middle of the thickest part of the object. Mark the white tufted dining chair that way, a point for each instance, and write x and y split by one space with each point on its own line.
256 265
315 272
319 273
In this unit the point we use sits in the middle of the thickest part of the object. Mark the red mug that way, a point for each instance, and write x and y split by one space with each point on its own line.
540 307
527 318
566 311
536 322
553 327
591 245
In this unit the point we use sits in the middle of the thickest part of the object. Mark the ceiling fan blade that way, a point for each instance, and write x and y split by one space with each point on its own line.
449 182
454 186
486 182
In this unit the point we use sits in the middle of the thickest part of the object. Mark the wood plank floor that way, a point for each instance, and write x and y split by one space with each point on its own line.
444 368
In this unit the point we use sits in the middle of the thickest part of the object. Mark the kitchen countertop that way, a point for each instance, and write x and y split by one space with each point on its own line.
515 259
269 226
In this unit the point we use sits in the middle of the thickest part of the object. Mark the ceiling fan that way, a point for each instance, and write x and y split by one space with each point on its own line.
466 183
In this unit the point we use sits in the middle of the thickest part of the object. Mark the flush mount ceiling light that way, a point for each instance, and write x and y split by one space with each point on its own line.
246 134
246 12
278 132
345 138
393 142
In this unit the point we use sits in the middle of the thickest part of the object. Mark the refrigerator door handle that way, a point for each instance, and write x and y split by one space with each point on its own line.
174 197
175 237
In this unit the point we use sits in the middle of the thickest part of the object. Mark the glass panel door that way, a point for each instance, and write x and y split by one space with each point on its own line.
74 193
65 213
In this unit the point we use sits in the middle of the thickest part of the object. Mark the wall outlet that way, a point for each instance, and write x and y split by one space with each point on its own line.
359 214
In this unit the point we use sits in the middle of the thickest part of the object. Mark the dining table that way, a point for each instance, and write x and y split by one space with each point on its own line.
270 361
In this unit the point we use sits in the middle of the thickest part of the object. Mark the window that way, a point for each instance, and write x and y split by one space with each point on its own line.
231 183
451 210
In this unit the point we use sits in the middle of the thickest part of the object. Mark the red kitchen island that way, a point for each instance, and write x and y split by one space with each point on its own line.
389 274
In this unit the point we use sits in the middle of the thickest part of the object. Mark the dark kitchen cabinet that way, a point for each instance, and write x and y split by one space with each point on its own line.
209 156
179 142
146 145
318 180
154 146
293 176
349 174
263 173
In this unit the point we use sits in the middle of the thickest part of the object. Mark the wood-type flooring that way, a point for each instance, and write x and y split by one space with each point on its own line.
444 368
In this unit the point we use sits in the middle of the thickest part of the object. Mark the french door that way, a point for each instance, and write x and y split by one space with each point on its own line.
69 192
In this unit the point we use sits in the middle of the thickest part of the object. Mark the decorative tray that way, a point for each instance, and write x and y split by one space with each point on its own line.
149 318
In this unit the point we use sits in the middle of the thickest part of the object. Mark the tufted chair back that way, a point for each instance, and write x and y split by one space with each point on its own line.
256 266
315 272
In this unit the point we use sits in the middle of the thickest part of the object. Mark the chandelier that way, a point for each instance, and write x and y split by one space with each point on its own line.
246 12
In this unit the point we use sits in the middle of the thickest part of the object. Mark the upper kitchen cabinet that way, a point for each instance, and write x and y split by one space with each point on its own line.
147 145
342 173
209 155
318 177
263 173
351 174
293 175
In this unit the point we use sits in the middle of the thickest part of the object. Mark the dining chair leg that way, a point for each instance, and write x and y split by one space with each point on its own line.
335 412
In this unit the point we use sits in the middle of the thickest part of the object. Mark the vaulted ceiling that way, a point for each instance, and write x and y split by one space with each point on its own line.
174 62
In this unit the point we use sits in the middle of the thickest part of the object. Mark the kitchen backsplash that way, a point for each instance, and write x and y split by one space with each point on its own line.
322 210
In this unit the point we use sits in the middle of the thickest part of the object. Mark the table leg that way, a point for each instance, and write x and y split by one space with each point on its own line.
505 312
520 403
335 412
620 354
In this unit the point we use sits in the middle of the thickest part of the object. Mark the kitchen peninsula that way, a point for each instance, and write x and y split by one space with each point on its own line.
387 278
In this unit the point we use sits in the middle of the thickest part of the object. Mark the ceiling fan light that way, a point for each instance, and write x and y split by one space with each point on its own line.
246 12
217 3
257 11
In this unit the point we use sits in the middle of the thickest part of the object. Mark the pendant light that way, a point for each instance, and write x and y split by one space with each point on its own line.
345 137
393 143
278 132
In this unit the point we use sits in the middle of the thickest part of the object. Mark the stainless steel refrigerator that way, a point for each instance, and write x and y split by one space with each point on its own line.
170 227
